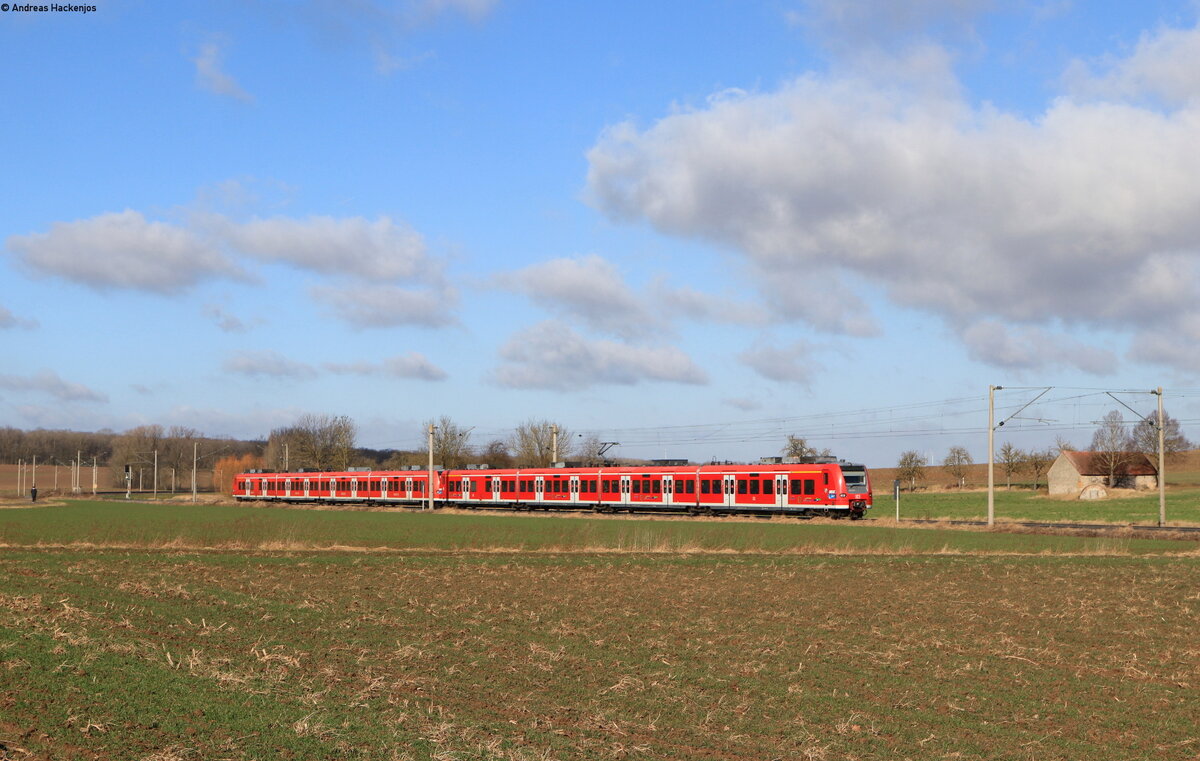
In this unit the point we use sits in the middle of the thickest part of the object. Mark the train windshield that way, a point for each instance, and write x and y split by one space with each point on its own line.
856 480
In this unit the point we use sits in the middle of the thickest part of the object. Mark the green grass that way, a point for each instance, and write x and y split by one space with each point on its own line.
115 524
1182 506
165 656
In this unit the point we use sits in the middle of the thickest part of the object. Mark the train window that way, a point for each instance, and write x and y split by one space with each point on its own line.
826 474
766 486
810 486
691 487
741 486
754 486
637 486
704 486
657 485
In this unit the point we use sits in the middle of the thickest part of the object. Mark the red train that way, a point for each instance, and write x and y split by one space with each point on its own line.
833 488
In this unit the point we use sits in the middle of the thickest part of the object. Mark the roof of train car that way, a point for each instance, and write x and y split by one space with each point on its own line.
546 471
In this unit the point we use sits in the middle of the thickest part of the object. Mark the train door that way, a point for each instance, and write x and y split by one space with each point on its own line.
539 486
306 487
781 490
574 489
625 489
668 487
408 488
495 488
263 487
383 488
353 488
729 482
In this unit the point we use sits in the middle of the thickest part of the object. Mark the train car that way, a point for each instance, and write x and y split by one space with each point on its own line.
835 489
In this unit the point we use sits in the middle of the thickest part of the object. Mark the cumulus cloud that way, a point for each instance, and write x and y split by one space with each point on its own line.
687 302
211 76
552 356
123 250
8 320
48 382
267 363
225 321
785 364
1031 348
410 366
588 289
379 306
1165 66
373 249
1083 215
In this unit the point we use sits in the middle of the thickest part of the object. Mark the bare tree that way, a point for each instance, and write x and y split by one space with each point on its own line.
798 448
1062 445
1039 462
587 450
135 448
1144 438
324 442
496 454
1111 445
451 442
532 443
911 468
956 462
1012 460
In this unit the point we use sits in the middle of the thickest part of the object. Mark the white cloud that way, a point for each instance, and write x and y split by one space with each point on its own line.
8 320
1085 215
588 289
379 306
376 250
552 356
412 365
225 321
785 364
689 303
1164 66
123 250
1032 348
48 382
211 76
267 363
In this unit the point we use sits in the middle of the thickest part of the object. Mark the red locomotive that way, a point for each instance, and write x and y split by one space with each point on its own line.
827 488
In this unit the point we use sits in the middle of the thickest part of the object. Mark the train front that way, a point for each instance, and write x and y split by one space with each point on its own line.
858 489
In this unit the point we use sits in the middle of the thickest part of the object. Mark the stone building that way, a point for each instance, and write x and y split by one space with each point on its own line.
1085 474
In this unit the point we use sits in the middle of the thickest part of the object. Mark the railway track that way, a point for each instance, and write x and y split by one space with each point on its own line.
1071 526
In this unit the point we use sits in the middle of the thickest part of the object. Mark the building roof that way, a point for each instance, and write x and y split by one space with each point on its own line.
1096 464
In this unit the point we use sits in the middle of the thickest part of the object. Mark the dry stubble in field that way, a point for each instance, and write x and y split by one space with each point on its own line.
568 657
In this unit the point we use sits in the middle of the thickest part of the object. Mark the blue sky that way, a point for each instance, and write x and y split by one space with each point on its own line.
631 218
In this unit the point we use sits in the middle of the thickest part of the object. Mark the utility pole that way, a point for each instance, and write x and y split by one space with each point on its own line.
554 443
1162 468
991 502
155 475
430 499
33 480
195 458
20 477
93 475
285 458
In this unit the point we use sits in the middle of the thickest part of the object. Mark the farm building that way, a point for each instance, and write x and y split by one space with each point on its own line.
1086 474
